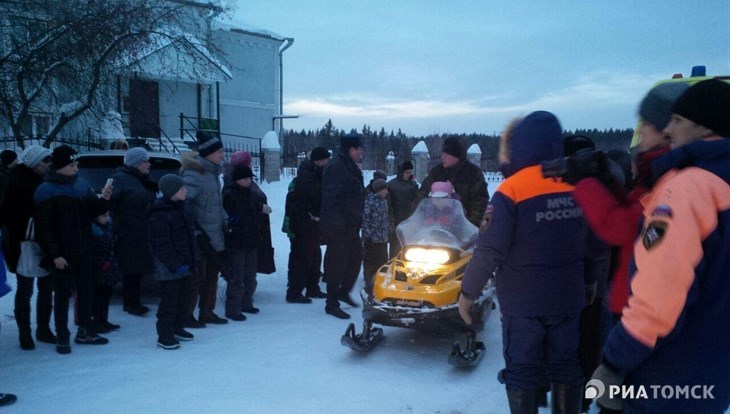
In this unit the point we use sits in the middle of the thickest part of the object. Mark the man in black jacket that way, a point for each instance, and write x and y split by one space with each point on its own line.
65 207
467 179
343 196
304 210
134 194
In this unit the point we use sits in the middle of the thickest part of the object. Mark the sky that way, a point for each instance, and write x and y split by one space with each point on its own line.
286 359
465 66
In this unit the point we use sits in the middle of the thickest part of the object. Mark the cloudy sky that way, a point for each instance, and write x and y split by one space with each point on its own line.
463 66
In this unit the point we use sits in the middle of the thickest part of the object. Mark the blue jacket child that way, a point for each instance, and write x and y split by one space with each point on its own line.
172 239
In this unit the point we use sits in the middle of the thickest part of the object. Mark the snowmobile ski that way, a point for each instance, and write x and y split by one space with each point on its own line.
363 342
470 356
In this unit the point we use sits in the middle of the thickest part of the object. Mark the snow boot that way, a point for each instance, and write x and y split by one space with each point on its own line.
7 399
566 398
168 343
522 401
183 335
26 340
88 337
337 313
45 335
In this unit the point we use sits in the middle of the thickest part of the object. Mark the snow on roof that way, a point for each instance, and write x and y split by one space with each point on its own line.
420 147
143 59
239 26
474 149
270 141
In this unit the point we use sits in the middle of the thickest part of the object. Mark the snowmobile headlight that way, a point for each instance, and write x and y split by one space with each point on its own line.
428 256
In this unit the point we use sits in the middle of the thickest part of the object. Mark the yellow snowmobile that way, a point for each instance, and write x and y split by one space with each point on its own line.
419 289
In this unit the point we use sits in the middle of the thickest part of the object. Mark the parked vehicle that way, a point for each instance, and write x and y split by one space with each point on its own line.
96 166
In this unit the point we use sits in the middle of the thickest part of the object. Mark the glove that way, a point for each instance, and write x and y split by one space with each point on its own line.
266 209
182 270
465 305
106 265
607 377
582 164
590 293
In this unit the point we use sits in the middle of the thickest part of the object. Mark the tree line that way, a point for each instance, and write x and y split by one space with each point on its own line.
379 143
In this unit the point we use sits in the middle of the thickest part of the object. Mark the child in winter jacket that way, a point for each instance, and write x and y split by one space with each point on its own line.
172 239
242 239
375 231
104 270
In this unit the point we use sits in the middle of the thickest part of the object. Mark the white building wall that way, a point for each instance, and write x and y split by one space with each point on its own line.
177 97
250 100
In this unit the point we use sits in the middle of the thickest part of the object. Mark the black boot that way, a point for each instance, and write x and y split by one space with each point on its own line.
522 401
566 398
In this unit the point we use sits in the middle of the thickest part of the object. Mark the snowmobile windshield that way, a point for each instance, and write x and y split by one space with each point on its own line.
438 222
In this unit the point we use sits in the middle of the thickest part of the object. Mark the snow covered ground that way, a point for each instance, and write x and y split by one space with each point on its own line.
286 359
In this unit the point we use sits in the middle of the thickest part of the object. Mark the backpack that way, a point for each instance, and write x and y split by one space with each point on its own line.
288 209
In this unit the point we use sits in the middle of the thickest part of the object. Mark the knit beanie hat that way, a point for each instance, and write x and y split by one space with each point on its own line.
380 174
656 107
33 155
575 143
7 156
241 157
452 146
707 103
207 143
135 156
63 156
319 153
170 184
241 171
379 184
441 189
406 166
348 141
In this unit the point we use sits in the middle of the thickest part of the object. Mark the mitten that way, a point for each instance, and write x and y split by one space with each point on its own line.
605 376
266 209
579 166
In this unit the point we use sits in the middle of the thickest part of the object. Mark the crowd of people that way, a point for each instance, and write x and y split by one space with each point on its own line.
582 297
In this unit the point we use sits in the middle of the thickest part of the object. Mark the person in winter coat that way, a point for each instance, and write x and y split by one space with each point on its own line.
402 191
65 206
201 171
244 209
17 210
615 216
133 196
672 331
172 241
343 195
265 250
466 177
534 244
104 270
303 209
375 231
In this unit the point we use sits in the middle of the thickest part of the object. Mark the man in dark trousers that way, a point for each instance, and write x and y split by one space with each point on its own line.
534 246
306 255
343 196
467 179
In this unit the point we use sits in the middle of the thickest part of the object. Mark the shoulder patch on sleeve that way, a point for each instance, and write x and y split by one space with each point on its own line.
662 210
654 233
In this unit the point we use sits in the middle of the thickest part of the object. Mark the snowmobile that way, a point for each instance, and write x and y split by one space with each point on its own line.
419 288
